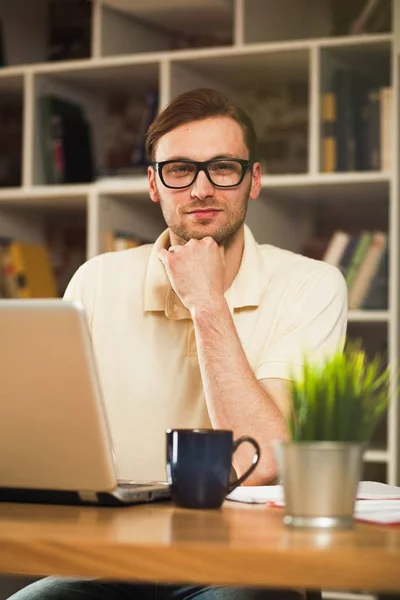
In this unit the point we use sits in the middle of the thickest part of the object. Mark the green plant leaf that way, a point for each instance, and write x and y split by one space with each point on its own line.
341 399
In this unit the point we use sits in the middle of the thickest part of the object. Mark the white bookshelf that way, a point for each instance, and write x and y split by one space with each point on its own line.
261 43
372 316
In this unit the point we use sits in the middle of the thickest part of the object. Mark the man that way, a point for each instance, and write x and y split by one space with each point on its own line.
202 328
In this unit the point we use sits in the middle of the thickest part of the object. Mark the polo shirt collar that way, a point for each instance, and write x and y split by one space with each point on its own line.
245 291
247 288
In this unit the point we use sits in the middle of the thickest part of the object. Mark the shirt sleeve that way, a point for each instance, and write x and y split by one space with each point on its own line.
81 288
314 324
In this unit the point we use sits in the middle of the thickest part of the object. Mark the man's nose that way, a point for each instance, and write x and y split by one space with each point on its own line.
202 187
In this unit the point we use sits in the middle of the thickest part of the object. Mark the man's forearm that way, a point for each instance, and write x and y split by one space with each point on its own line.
235 399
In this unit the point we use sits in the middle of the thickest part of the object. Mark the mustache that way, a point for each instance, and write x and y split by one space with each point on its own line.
202 206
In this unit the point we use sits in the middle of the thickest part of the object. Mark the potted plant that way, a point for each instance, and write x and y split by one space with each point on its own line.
336 407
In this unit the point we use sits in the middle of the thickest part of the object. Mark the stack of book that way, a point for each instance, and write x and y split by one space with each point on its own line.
363 260
356 124
66 141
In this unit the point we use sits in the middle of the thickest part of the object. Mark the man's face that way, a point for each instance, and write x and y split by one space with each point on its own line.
184 209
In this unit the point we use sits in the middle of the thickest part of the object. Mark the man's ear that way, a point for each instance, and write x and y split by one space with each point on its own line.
151 178
255 182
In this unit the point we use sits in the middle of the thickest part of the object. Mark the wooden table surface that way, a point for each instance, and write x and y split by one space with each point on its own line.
238 545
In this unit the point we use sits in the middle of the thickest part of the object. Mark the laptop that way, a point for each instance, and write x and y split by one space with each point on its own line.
55 443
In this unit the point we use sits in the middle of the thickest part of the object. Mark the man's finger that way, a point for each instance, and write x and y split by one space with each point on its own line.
173 249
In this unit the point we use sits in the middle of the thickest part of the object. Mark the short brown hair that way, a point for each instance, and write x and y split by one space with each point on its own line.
196 105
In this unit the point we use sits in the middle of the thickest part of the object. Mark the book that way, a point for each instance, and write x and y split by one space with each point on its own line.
329 116
363 243
386 127
377 295
336 248
374 125
368 270
32 270
66 141
374 16
347 256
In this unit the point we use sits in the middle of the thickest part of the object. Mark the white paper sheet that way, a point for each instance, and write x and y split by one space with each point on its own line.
376 502
257 494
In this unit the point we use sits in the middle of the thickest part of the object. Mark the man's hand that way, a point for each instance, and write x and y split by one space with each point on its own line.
196 272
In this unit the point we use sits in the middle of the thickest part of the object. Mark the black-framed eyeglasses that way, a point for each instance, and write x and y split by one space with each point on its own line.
221 172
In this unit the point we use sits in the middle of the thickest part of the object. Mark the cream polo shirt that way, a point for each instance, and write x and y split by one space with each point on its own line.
144 342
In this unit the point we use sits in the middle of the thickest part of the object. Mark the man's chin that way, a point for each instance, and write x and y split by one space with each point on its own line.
199 233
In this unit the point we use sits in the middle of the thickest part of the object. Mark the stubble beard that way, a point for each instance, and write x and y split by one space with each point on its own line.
222 236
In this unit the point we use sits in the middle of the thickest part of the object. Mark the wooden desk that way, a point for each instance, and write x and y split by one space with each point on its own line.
238 545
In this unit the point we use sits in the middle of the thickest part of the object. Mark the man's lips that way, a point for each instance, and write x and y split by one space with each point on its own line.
204 213
204 210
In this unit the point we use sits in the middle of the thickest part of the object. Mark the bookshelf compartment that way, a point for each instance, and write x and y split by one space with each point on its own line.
371 58
356 107
11 130
360 17
332 208
90 123
379 439
32 29
374 340
268 21
50 30
125 222
274 222
353 236
59 228
375 472
351 213
272 87
141 26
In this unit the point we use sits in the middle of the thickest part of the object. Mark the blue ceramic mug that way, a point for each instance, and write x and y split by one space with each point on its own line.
199 464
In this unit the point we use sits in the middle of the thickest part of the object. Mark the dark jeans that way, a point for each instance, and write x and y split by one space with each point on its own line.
56 588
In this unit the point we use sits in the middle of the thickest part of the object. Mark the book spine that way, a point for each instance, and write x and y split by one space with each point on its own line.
368 270
336 248
374 125
329 114
386 98
358 256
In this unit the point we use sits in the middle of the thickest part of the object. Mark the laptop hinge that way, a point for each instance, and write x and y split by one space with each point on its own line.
88 497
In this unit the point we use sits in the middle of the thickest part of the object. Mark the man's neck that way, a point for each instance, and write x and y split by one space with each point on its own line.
232 255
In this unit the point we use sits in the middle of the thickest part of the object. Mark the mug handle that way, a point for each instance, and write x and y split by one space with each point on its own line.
256 458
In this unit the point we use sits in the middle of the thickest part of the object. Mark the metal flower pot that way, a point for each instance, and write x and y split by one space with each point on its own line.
320 481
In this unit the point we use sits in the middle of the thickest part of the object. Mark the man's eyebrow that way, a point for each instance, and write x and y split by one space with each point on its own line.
217 156
226 155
